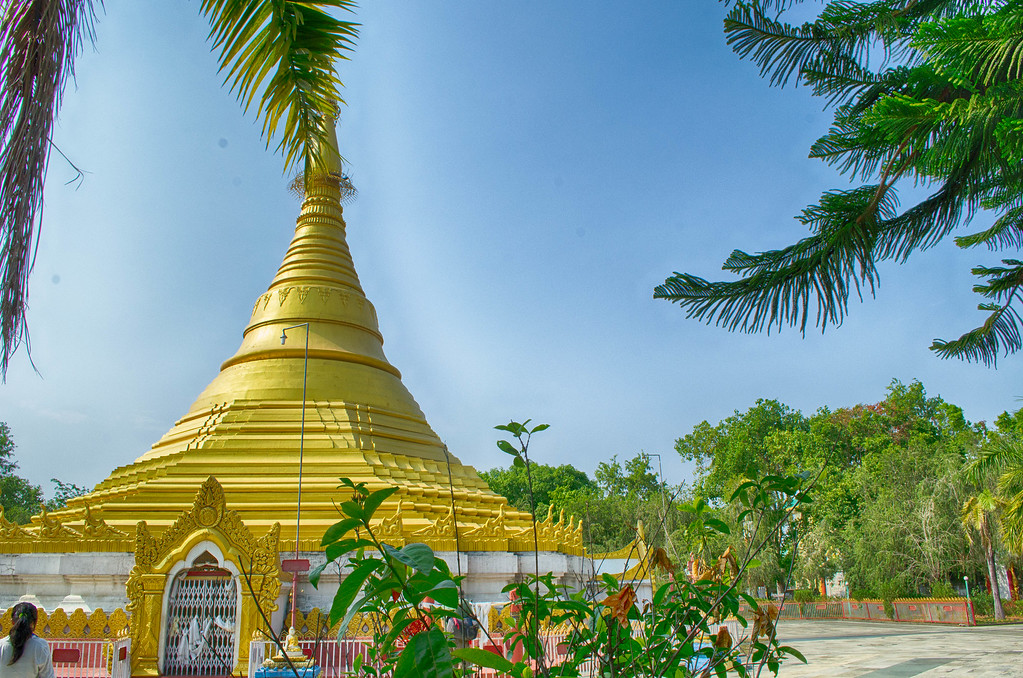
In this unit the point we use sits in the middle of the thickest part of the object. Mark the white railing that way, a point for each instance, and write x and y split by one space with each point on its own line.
120 662
257 653
336 658
80 658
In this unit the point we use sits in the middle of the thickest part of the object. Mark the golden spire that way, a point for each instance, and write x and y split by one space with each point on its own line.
316 283
360 420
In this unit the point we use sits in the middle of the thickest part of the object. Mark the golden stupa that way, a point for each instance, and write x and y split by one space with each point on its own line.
190 544
246 428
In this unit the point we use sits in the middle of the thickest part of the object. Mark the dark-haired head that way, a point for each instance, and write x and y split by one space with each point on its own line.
23 616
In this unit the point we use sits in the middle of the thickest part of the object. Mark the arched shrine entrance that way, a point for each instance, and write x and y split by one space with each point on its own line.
200 619
196 591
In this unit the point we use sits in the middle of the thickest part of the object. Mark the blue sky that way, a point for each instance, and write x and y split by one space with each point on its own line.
528 172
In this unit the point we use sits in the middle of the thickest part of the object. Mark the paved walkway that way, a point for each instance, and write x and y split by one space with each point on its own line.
843 649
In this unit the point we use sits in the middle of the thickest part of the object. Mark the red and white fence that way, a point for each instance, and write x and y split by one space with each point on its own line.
334 657
91 658
924 610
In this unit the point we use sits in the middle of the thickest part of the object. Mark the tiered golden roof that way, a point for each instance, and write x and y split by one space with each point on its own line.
360 422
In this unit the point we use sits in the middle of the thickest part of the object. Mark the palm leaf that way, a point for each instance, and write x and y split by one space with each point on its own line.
283 54
39 40
1001 331
840 41
787 286
983 49
1005 233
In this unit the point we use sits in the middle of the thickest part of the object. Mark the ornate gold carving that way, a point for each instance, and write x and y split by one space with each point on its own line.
303 292
390 530
145 548
52 528
440 534
575 539
493 528
492 535
282 295
76 623
9 530
442 528
118 623
57 625
500 619
96 528
547 530
208 519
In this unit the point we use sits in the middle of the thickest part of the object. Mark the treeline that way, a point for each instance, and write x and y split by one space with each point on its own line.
899 505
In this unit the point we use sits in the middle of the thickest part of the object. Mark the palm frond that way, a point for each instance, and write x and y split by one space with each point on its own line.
1002 456
39 41
982 49
999 453
1005 233
932 219
839 41
284 52
1001 331
786 286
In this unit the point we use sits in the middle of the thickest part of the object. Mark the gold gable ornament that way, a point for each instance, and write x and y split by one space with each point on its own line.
52 528
440 534
96 528
12 531
490 536
210 520
391 530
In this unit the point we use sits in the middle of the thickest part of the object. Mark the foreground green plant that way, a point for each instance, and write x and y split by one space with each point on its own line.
671 635
599 631
392 586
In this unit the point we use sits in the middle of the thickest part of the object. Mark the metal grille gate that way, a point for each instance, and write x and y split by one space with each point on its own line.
201 613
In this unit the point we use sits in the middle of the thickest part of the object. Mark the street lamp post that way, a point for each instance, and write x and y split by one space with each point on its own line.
296 566
969 603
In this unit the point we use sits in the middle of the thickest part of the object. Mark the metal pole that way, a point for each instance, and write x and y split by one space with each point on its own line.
970 617
664 506
301 454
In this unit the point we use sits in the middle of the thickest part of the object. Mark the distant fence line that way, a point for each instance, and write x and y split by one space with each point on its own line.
926 610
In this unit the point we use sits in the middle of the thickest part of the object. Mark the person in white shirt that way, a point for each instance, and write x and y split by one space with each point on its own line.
22 653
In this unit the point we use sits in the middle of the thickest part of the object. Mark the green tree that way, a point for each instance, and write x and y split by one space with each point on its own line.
738 447
1000 463
7 463
277 54
636 479
19 498
977 513
610 507
552 485
63 493
924 93
888 489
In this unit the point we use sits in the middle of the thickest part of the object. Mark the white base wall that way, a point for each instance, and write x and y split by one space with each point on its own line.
100 578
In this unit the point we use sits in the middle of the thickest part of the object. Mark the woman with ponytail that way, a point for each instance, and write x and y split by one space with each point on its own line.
23 654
